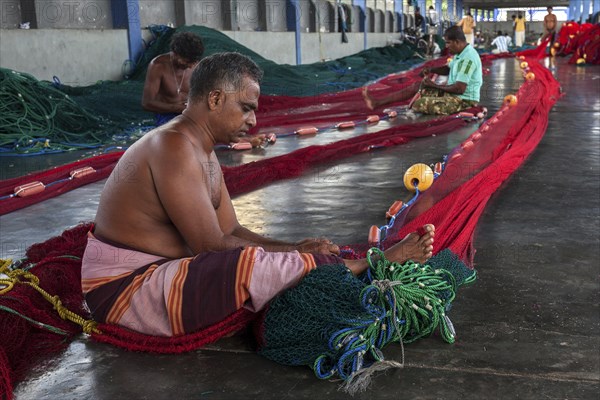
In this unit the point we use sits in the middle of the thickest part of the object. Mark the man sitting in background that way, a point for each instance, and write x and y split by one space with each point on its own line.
501 42
461 91
168 77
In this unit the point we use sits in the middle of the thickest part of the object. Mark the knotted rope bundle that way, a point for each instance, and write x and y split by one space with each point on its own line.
337 323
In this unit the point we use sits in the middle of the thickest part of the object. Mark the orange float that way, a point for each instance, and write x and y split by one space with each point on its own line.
524 64
374 236
346 125
394 208
373 119
29 189
511 100
81 172
467 145
419 176
530 76
307 130
464 114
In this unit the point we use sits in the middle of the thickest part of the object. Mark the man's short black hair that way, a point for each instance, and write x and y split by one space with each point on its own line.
220 71
187 45
499 33
549 8
455 33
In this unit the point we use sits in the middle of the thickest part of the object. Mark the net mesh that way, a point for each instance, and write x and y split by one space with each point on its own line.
337 323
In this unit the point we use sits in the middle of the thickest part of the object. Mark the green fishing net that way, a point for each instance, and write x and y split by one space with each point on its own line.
40 117
338 324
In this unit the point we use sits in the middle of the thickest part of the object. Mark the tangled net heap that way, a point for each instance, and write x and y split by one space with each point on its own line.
42 117
35 114
337 324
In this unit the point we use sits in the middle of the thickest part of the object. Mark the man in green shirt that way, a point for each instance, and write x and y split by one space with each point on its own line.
459 93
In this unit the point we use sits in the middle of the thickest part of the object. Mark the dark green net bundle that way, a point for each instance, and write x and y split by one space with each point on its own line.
338 324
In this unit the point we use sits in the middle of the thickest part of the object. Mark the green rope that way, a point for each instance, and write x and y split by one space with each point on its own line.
34 322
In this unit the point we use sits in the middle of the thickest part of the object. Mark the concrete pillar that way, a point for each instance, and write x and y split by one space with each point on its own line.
596 7
399 10
438 10
573 6
577 10
293 24
459 9
585 13
450 10
126 14
423 7
496 13
364 21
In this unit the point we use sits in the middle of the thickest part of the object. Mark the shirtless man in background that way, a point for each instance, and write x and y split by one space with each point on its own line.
550 23
168 76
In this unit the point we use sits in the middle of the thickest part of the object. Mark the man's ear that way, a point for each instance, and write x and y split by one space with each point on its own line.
215 99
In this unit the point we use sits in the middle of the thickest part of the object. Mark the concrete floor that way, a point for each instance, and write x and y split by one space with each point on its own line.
527 329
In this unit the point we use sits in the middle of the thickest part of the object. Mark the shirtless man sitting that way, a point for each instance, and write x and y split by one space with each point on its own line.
168 255
168 77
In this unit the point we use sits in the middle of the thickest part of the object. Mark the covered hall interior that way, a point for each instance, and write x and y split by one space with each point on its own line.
527 328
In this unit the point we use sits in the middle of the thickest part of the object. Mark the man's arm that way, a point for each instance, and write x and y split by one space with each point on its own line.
183 180
443 70
151 100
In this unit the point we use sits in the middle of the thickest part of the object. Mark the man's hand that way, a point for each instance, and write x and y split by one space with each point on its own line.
317 245
424 72
428 83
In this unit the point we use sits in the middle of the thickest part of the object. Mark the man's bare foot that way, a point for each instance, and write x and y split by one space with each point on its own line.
368 100
415 246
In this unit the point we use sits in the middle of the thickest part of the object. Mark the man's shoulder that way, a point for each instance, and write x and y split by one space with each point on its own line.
161 60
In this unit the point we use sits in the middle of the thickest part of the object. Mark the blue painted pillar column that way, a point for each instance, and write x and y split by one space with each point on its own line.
596 7
293 24
450 10
474 13
496 13
577 10
459 10
438 10
531 15
126 15
399 10
423 10
364 21
573 10
585 13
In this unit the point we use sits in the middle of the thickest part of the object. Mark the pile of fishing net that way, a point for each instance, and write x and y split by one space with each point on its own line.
580 41
40 117
338 324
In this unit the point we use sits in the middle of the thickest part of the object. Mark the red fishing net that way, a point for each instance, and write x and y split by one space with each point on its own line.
30 328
